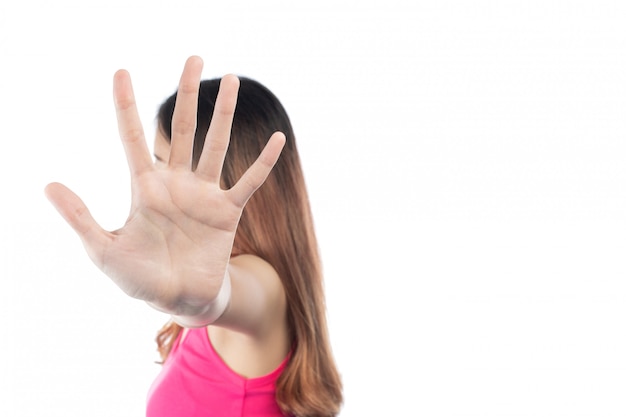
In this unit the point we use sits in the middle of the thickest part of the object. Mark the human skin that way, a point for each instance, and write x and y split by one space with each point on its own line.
175 248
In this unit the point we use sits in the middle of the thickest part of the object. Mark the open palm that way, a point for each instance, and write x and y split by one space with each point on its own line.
175 246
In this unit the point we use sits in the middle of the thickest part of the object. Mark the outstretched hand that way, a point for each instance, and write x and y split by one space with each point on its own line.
174 249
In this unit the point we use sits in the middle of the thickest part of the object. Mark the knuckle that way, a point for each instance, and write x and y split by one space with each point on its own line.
187 88
132 134
225 109
251 182
216 146
184 126
125 103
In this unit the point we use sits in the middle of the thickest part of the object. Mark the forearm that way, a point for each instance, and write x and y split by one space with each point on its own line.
251 300
199 313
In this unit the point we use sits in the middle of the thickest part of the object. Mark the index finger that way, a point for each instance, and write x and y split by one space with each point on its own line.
130 128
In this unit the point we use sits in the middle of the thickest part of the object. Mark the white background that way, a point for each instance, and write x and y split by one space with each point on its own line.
465 161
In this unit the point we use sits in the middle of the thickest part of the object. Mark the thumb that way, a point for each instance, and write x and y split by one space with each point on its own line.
76 214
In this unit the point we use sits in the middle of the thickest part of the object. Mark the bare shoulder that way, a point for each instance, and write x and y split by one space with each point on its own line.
252 336
258 302
257 273
257 268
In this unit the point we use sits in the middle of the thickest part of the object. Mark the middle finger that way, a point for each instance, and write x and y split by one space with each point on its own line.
185 114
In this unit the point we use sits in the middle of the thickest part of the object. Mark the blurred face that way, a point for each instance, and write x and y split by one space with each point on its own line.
161 149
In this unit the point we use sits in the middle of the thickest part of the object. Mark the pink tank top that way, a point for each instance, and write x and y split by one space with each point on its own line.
195 382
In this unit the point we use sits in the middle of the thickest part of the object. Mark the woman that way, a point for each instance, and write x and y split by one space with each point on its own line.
248 334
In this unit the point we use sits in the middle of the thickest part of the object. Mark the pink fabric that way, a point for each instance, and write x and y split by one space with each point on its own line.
195 382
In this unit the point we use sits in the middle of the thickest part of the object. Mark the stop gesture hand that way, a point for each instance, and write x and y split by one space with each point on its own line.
173 250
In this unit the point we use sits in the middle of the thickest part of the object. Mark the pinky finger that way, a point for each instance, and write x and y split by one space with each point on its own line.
255 176
76 214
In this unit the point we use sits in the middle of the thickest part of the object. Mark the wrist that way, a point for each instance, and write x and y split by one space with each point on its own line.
212 311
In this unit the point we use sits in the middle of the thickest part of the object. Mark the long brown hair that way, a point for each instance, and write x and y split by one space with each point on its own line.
277 226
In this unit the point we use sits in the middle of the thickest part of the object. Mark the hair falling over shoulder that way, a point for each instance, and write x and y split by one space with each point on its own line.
277 226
